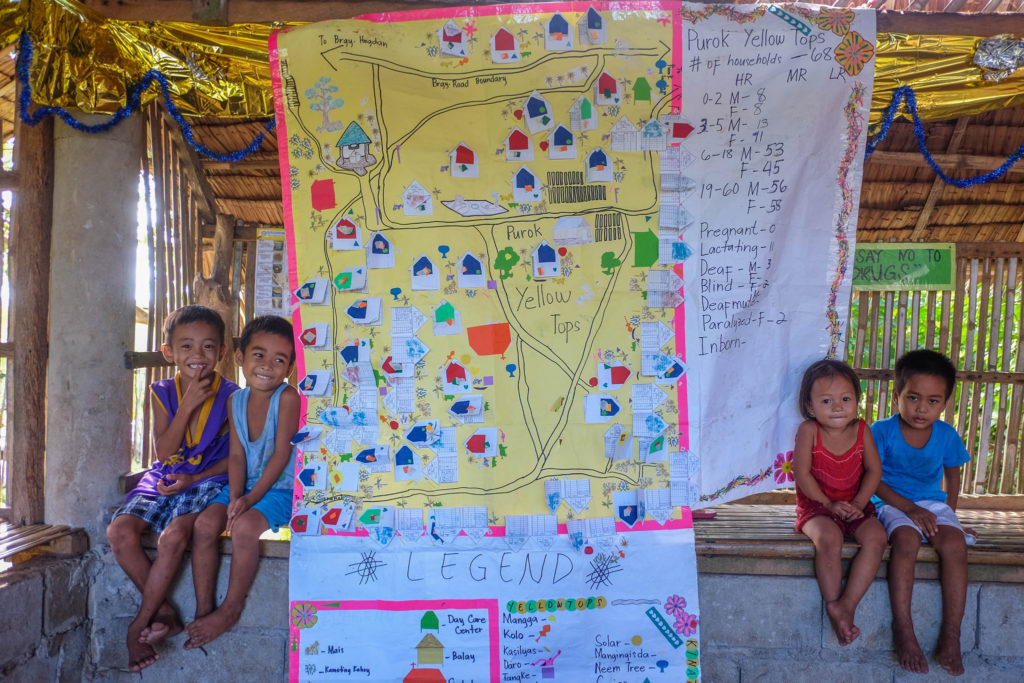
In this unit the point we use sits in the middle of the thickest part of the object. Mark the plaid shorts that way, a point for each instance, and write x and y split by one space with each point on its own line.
158 511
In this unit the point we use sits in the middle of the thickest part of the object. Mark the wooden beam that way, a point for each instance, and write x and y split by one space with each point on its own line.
948 162
206 199
938 185
31 231
243 165
8 180
215 291
244 232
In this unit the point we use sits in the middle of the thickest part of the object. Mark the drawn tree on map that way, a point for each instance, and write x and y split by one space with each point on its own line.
322 99
505 260
609 262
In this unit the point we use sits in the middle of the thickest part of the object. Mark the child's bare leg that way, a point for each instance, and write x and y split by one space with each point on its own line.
871 536
148 627
949 543
245 557
206 556
828 568
905 541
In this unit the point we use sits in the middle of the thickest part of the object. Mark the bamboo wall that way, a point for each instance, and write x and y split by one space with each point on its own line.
979 325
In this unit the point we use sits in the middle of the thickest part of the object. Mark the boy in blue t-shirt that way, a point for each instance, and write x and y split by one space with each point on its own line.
921 461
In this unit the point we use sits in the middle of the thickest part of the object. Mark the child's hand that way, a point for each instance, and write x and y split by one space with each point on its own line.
844 510
197 392
235 510
174 483
925 520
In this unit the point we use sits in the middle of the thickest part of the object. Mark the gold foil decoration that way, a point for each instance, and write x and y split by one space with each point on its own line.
85 61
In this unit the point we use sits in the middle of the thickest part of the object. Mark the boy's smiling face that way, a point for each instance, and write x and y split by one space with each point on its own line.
266 361
194 349
921 401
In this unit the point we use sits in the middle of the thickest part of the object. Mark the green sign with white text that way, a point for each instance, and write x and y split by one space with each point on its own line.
906 267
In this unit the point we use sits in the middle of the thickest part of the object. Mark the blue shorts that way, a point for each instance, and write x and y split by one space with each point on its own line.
158 511
275 506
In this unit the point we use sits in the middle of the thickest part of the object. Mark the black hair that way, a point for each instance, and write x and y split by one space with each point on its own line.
824 369
271 324
925 362
193 314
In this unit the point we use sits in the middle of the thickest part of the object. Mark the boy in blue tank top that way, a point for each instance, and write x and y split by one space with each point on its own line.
264 417
921 461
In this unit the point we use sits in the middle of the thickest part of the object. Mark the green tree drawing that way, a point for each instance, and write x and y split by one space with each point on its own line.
504 261
322 99
609 262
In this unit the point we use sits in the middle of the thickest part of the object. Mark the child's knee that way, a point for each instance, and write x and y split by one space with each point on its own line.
123 531
905 540
174 538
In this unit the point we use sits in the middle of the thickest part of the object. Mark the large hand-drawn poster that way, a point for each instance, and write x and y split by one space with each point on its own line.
492 212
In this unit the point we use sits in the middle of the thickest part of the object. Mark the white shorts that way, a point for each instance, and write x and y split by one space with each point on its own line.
892 518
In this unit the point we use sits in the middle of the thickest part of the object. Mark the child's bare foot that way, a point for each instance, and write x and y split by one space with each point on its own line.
842 622
165 624
908 651
947 654
212 626
140 654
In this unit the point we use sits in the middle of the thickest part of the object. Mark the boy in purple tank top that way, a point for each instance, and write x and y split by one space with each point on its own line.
190 437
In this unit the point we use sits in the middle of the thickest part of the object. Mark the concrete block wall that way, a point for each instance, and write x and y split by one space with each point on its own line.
44 621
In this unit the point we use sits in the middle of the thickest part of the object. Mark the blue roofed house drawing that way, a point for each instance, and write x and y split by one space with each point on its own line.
558 36
538 113
546 261
525 186
592 28
599 168
354 149
561 143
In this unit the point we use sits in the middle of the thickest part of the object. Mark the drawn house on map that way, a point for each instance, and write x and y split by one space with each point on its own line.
504 47
537 113
525 186
592 28
518 146
582 114
424 676
456 378
599 170
416 201
652 136
425 275
571 231
561 143
557 35
463 162
345 235
452 40
677 129
625 136
641 90
430 650
379 252
606 90
546 261
354 150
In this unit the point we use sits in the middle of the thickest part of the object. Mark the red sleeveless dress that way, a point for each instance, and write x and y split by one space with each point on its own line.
839 477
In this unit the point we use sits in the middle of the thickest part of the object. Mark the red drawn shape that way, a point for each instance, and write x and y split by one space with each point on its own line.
332 517
593 381
491 339
588 550
681 130
544 145
393 424
518 113
300 523
321 194
562 251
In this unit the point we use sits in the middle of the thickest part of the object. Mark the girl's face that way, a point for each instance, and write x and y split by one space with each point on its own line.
833 402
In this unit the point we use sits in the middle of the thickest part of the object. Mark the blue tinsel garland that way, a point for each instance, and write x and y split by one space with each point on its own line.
906 93
134 97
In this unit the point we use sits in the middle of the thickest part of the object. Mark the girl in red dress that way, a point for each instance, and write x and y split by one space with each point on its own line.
837 470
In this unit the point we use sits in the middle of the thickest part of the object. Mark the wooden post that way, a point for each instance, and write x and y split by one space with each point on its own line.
215 291
30 306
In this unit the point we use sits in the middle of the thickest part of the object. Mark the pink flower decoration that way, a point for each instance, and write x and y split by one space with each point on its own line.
784 467
686 624
675 605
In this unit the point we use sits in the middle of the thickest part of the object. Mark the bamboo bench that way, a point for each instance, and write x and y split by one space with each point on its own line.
759 539
20 543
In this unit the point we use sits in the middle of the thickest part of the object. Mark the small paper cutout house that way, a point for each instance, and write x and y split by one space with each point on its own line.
504 47
546 261
354 150
380 244
557 36
678 130
538 113
416 201
477 444
452 40
592 28
571 231
652 136
471 265
641 90
429 621
463 162
404 457
455 373
599 169
582 114
423 266
561 143
345 229
625 136
430 650
525 186
606 90
518 146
